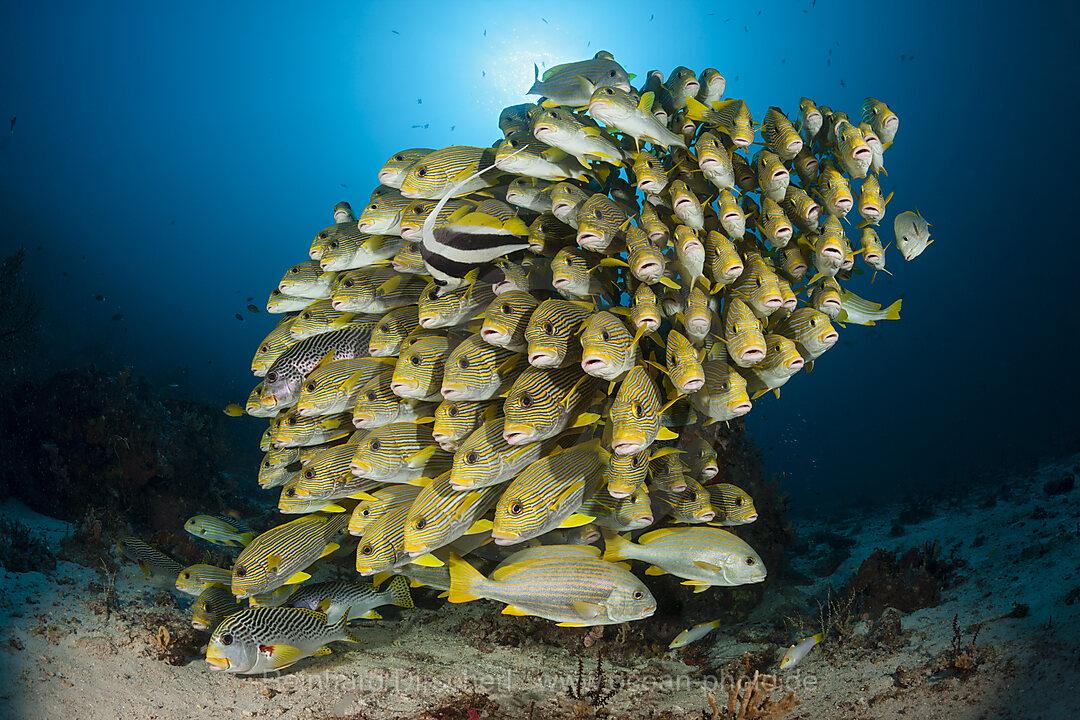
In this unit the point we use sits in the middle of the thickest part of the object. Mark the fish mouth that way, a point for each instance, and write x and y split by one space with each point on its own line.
844 204
709 472
781 176
650 324
863 153
626 447
752 356
831 338
647 185
734 271
796 364
731 217
649 270
592 362
518 434
363 225
783 233
692 384
741 409
706 516
692 87
560 207
795 146
618 494
542 129
544 359
452 392
813 213
751 518
741 141
560 282
589 240
646 520
504 538
217 663
833 253
870 211
428 321
359 470
492 336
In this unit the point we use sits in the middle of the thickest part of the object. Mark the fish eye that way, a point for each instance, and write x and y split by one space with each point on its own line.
471 458
265 348
671 359
548 328
309 474
638 459
611 74
294 270
371 396
332 244
347 283
227 639
376 445
323 235
516 507
415 359
367 549
399 158
384 327
271 377
757 281
310 387
506 308
433 294
749 561
290 492
463 363
638 410
452 412
421 172
305 315
526 400
605 335
187 576
365 512
291 420
240 571
813 322
608 91
266 464
733 328
638 594
597 214
421 523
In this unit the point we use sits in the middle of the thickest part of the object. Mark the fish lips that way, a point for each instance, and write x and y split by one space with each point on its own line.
518 433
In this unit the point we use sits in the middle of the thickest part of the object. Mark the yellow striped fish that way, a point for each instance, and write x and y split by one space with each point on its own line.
774 224
689 253
731 117
441 514
682 83
801 209
566 198
646 261
667 472
515 120
549 330
714 160
375 290
530 193
193 579
412 220
795 263
599 220
546 494
825 296
691 505
273 345
811 332
213 605
871 203
543 403
625 474
645 313
721 259
506 319
418 373
704 556
571 275
326 474
834 191
547 235
742 334
274 468
621 515
686 206
759 286
455 420
697 317
219 530
624 111
683 363
433 175
306 279
383 545
809 120
855 154
318 244
453 307
608 349
397 453
377 503
912 234
635 414
519 156
780 135
279 556
649 172
712 87
562 129
877 163
568 587
745 177
393 171
733 505
359 249
574 83
484 458
731 214
290 429
377 405
476 370
865 312
782 360
393 327
317 318
772 176
829 247
292 503
701 457
883 120
872 251
279 303
409 261
333 385
806 166
723 397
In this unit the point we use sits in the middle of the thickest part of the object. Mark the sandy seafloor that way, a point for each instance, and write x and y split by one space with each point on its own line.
58 659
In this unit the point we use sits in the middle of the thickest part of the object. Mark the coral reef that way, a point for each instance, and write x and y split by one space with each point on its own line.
907 581
23 550
749 699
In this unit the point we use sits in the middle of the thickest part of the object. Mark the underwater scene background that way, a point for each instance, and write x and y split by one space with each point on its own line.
165 165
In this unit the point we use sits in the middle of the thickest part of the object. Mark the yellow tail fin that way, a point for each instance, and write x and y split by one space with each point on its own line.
463 579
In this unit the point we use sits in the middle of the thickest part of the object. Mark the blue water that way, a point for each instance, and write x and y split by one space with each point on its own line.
177 160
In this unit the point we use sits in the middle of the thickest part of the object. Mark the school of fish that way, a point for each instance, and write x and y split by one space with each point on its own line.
513 349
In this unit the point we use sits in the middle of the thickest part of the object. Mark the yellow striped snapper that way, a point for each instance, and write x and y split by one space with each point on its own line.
780 135
834 190
701 457
318 244
213 605
278 556
391 330
292 503
667 472
806 166
774 224
801 209
688 637
341 598
418 373
397 453
543 403
682 83
829 247
273 345
733 505
333 385
434 174
360 250
645 313
560 128
608 349
654 83
872 251
696 317
731 117
574 83
484 458
546 494
441 514
883 120
568 587
515 119
714 160
274 470
865 312
625 475
409 261
646 261
877 162
284 378
478 370
795 263
871 203
266 639
651 177
375 290
811 332
759 286
619 514
513 277
306 280
855 154
686 206
621 110
292 430
412 221
549 330
264 439
377 405
683 363
393 171
912 234
327 475
219 530
599 220
742 333
375 504
193 579
530 193
782 360
272 599
150 560
317 318
731 214
825 296
420 576
704 556
506 319
788 300
635 414
453 307
537 160
723 261
343 213
279 303
691 505
383 543
712 86
772 176
566 198
455 420
723 397
810 120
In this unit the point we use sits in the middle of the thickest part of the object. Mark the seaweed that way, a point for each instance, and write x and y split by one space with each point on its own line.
22 549
597 696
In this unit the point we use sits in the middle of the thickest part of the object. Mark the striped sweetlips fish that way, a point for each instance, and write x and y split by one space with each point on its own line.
397 166
441 514
543 403
455 420
279 556
549 331
574 83
477 370
333 385
266 639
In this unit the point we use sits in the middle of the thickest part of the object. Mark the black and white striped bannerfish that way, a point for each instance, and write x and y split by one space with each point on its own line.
279 556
